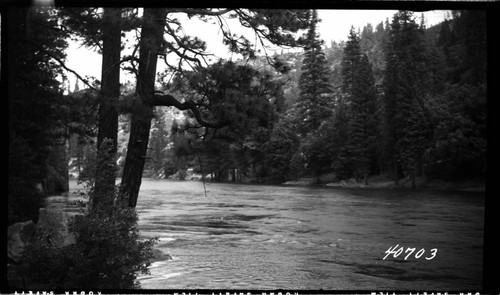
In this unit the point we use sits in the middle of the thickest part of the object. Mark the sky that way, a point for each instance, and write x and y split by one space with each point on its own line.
334 26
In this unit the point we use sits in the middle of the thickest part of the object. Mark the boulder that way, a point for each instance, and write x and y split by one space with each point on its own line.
159 255
19 236
53 226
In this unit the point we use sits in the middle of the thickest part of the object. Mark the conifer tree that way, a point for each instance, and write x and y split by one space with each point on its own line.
276 26
314 85
406 127
35 96
358 85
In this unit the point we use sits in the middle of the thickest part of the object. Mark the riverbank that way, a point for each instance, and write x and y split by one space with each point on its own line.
382 182
374 182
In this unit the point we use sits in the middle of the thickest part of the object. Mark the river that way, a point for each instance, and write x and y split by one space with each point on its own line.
269 237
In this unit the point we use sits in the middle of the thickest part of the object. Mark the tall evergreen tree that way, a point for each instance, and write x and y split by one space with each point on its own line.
314 85
358 85
102 29
350 63
36 131
110 90
406 128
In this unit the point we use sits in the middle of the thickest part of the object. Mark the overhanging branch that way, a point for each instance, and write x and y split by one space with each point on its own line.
170 101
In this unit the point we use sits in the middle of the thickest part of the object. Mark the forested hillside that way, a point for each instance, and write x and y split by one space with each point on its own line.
395 99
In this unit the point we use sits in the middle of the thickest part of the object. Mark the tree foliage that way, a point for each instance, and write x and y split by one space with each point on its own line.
407 128
314 85
242 101
36 108
359 87
395 106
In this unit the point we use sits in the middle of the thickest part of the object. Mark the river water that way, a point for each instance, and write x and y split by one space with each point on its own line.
269 237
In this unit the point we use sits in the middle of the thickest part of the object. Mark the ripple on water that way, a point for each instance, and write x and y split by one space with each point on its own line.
284 237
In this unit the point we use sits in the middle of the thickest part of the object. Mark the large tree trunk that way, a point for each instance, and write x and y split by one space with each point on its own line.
16 18
110 91
151 40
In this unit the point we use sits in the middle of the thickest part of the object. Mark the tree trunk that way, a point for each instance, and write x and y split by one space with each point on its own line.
396 177
66 165
413 176
422 167
110 91
151 40
17 20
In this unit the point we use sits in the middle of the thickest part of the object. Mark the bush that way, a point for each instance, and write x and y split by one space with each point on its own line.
108 252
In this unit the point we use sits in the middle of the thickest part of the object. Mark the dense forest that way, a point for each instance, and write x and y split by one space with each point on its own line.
395 99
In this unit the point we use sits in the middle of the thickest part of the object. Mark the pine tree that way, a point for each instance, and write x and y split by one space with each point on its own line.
350 63
35 96
276 26
102 28
358 85
314 85
406 128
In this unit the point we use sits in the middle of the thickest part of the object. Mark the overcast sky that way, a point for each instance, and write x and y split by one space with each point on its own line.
334 26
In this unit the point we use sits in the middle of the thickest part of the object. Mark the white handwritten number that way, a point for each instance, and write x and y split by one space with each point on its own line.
411 252
419 253
400 250
396 251
433 253
390 251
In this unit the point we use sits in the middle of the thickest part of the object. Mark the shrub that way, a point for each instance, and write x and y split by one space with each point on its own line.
108 252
